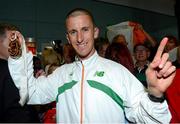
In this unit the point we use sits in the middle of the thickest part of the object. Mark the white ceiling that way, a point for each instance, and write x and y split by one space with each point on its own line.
160 6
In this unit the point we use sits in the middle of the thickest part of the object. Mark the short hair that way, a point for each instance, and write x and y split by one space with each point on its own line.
80 11
7 27
141 44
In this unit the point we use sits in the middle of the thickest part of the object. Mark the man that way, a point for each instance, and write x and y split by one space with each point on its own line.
96 90
141 55
10 109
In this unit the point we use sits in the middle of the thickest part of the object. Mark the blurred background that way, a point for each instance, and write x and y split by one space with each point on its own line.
43 20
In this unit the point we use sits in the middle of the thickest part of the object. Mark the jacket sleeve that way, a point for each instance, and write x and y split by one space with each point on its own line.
138 107
39 90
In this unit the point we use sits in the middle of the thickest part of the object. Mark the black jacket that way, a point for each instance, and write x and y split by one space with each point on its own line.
10 109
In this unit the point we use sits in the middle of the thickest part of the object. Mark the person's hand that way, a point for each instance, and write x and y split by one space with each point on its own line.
160 72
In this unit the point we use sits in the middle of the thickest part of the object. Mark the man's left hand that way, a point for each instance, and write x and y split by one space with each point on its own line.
160 72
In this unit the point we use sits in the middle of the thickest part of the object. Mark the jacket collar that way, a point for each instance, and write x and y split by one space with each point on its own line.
88 62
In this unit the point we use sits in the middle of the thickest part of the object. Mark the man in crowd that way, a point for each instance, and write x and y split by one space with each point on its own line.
93 89
141 55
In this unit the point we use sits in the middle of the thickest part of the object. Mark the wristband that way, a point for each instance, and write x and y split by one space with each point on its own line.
156 99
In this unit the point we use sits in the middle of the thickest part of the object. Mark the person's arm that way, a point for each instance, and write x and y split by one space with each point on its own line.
149 106
39 90
160 72
138 107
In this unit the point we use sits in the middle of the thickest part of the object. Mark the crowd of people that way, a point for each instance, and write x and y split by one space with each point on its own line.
90 79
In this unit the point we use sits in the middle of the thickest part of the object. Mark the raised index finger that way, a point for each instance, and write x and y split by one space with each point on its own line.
160 49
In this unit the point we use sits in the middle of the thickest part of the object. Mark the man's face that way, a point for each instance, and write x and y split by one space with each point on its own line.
4 44
141 53
81 34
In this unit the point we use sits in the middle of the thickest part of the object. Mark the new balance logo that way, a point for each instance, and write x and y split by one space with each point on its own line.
99 73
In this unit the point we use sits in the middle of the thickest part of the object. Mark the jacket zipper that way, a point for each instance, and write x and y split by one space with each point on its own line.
82 94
